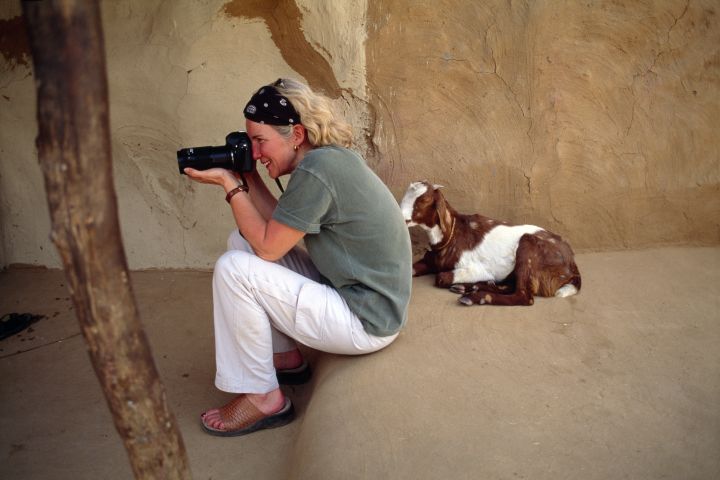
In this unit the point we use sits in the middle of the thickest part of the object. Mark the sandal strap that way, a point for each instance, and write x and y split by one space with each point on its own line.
240 413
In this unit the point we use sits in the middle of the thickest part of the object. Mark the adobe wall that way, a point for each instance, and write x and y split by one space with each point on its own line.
595 119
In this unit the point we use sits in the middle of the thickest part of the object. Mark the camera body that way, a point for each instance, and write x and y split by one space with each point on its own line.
235 155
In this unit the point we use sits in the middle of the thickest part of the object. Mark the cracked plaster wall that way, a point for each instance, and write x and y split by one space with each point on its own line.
597 119
179 75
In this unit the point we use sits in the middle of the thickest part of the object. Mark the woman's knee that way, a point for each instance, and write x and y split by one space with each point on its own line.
231 266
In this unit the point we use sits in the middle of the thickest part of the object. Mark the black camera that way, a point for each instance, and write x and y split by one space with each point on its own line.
235 155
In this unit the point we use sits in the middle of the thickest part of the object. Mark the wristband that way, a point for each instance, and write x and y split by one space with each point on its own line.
231 193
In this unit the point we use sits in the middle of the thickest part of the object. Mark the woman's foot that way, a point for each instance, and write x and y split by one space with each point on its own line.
291 368
247 413
287 360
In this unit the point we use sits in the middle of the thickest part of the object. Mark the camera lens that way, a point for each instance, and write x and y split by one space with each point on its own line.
203 158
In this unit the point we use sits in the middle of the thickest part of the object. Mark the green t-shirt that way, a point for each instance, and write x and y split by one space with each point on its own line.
355 234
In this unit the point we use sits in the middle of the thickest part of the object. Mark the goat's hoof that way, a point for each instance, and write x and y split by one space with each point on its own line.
465 300
458 288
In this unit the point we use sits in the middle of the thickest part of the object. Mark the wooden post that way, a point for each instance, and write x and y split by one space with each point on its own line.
75 154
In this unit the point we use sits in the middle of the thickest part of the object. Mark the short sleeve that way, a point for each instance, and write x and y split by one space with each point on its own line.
306 204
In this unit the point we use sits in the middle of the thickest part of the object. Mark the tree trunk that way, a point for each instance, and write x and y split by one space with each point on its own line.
75 154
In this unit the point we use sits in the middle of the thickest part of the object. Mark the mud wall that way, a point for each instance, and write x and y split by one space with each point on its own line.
595 119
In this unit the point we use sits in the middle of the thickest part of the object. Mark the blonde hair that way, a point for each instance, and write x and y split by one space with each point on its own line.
317 115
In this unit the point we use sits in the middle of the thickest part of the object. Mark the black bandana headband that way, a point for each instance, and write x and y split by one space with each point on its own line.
270 107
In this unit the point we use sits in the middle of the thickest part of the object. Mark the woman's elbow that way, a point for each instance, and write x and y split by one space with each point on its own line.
268 256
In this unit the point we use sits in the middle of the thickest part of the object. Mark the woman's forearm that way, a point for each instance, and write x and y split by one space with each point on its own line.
262 198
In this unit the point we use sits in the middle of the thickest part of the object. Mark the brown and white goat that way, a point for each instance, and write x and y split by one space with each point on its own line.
488 261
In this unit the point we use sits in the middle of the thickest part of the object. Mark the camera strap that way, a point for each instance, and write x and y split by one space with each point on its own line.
282 190
244 182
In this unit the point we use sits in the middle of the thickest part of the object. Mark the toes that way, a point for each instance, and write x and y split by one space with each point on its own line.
210 413
212 423
211 418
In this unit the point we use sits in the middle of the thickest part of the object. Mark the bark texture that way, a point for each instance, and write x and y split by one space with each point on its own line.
74 151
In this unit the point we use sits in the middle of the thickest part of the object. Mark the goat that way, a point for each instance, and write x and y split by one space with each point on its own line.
485 260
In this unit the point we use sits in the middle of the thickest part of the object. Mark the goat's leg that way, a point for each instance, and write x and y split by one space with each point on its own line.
420 268
444 279
448 279
481 297
523 273
504 286
459 276
425 265
464 287
490 287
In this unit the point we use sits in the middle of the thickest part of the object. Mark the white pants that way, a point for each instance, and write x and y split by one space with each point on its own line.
261 308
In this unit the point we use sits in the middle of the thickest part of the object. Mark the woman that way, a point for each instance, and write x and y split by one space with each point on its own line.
347 294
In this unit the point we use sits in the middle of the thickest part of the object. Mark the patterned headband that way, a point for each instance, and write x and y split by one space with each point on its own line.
271 107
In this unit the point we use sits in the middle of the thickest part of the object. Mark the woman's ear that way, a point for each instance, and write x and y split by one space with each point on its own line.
299 134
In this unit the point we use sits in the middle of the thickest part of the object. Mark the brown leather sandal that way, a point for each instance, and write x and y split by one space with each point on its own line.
294 376
241 417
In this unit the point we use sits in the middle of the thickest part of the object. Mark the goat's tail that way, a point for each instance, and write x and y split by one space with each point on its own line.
573 285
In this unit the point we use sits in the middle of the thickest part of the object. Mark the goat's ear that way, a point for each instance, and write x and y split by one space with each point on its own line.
437 186
444 216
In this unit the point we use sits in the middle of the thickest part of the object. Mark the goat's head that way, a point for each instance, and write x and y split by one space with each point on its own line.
424 205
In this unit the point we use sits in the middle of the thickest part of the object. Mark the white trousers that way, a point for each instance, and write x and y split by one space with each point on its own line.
262 307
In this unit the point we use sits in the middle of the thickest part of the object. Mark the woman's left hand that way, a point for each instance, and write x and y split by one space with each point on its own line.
215 176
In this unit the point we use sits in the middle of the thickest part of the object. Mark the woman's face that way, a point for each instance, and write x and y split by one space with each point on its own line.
271 149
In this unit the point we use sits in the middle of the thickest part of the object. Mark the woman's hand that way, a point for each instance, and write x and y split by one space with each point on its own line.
213 176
